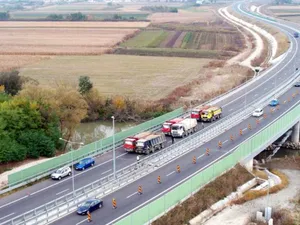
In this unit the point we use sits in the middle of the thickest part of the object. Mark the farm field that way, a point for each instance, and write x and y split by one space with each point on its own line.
46 40
134 76
286 12
158 39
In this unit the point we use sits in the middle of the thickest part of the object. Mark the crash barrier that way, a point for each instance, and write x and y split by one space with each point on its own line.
171 198
65 204
34 172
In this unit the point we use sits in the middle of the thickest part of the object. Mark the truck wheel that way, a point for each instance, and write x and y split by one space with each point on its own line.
148 152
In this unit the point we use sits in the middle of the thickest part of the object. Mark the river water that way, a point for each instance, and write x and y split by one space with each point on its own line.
94 131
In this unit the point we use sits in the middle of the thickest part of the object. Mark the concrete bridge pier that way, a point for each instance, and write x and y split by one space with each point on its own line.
295 134
248 164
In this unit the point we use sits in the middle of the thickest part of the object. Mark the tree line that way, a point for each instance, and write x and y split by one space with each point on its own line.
33 118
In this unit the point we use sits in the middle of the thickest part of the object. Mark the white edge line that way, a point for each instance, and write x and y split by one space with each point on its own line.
188 177
6 216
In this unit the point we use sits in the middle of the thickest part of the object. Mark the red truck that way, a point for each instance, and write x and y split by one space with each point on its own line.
130 142
166 127
196 112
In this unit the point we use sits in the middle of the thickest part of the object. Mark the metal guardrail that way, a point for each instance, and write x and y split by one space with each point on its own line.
67 203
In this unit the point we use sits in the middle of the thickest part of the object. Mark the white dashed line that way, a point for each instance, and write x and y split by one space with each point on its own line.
225 141
129 196
170 173
106 171
62 192
200 156
245 129
230 110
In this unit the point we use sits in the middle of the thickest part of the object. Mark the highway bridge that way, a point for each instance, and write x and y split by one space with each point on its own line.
242 100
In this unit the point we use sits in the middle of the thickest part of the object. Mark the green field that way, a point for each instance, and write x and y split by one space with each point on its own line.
134 76
145 38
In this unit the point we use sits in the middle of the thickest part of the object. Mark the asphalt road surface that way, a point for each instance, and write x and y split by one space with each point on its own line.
48 190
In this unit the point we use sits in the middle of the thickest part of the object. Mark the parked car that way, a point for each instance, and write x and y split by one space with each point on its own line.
258 112
85 163
274 102
89 206
61 173
297 84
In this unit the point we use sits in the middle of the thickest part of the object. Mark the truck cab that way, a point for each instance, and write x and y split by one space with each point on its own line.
166 127
211 114
196 112
130 144
177 130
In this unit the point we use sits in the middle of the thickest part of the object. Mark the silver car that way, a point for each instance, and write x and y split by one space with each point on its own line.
62 172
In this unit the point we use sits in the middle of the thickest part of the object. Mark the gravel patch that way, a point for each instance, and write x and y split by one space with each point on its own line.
239 214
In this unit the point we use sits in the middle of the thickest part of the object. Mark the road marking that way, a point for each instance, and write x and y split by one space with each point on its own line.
106 171
81 221
64 180
6 216
230 110
225 141
265 89
62 191
260 118
245 129
129 196
13 201
170 173
200 156
255 95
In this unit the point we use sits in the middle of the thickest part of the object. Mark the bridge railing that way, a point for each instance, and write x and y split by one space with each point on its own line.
102 187
171 198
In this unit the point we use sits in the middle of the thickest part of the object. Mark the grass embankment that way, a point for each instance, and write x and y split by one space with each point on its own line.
207 196
251 194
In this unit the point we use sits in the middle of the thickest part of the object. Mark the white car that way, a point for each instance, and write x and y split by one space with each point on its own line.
62 172
258 113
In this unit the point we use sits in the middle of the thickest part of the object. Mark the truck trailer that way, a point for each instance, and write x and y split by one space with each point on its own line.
150 143
197 111
130 142
184 128
166 127
211 114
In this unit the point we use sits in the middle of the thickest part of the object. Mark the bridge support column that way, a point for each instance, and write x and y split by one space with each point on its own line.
248 164
295 134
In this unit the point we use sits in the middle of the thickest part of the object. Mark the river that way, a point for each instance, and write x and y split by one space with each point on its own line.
93 131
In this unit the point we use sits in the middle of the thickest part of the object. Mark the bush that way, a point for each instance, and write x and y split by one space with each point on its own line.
10 150
4 16
55 17
12 82
76 17
37 144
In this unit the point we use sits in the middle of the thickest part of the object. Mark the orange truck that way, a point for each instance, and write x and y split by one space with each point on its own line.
166 127
130 142
197 111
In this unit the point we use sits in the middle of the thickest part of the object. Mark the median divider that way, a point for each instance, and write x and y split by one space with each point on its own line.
99 147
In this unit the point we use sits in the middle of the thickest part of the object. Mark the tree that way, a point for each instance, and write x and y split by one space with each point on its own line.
55 17
77 17
4 16
37 143
85 85
11 81
10 149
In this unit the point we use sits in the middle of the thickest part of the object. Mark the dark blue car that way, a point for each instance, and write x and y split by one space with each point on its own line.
85 163
89 206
